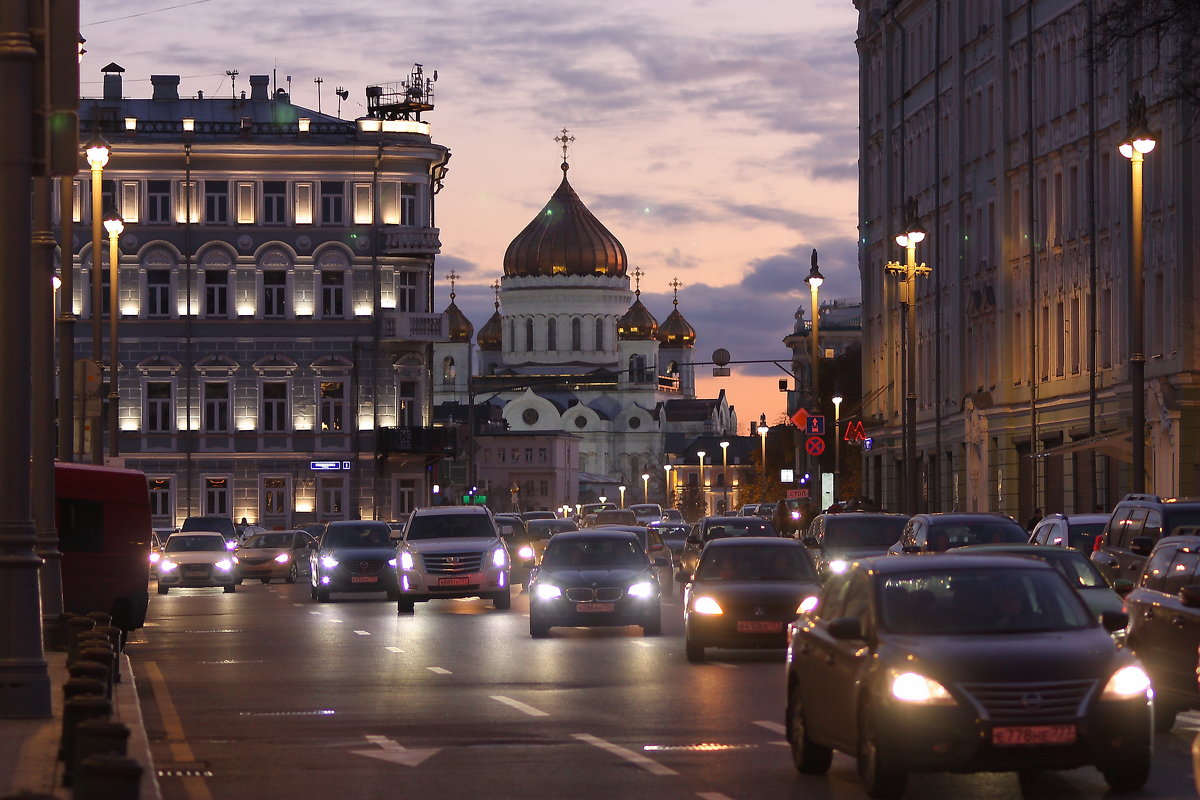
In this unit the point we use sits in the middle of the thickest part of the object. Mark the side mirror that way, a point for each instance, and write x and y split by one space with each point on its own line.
1141 545
1190 596
1122 586
1113 621
811 541
396 535
846 628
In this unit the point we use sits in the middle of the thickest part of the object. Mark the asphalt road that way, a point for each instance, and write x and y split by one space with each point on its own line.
266 693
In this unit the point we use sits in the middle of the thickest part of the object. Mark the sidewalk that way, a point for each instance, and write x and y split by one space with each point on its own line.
29 747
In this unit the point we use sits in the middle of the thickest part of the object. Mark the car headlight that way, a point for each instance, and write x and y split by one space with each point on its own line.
231 545
547 591
706 605
282 558
155 558
329 562
406 562
166 565
225 564
1127 682
500 557
807 604
838 566
526 552
641 589
911 687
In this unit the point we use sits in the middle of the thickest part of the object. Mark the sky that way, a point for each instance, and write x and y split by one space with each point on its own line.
717 139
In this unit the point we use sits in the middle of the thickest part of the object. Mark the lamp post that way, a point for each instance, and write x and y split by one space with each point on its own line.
703 496
725 475
621 489
1137 143
645 487
603 499
762 435
114 225
814 281
667 493
837 442
98 152
908 272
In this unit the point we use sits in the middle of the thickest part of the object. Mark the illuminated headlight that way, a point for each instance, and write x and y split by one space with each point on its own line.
392 563
546 591
231 545
838 566
526 552
807 604
329 562
166 565
155 558
1127 682
641 589
282 558
406 562
911 687
225 564
499 557
706 605
795 515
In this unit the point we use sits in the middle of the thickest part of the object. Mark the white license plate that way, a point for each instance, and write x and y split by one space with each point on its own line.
364 578
1018 735
593 607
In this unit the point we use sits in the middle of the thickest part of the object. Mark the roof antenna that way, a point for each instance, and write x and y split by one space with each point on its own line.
318 82
342 93
232 73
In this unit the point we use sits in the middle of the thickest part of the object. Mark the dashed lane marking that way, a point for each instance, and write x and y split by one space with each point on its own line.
393 649
519 706
363 633
650 765
440 671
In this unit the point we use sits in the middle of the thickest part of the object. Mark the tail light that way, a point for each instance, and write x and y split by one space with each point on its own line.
1096 543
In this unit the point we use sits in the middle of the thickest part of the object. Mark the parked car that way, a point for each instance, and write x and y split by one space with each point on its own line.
646 512
1164 625
453 552
1076 531
275 554
935 533
195 559
594 578
353 556
591 508
838 539
744 593
963 664
1137 522
711 528
213 523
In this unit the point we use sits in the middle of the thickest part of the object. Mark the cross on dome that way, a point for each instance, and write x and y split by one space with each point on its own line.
675 284
565 140
452 276
637 276
496 290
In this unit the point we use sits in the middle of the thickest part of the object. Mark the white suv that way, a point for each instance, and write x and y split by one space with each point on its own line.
449 552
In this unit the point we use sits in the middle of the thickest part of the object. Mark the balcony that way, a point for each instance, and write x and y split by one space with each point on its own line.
412 440
413 326
405 240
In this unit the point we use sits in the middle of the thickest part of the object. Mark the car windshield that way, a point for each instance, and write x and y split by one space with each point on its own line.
450 526
545 528
1175 518
1075 567
980 601
269 540
593 553
959 533
755 564
739 526
642 510
375 535
846 530
669 531
1082 535
195 544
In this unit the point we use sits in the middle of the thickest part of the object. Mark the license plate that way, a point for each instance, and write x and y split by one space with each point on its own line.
759 626
592 607
1017 735
364 578
464 581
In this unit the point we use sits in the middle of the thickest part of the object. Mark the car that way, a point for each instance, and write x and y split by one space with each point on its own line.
313 529
1077 531
591 508
744 593
612 516
748 510
214 523
595 578
673 533
274 554
838 539
656 548
936 533
157 537
453 552
353 556
1137 522
530 515
528 547
1164 626
710 528
672 515
646 512
948 663
246 531
765 510
195 559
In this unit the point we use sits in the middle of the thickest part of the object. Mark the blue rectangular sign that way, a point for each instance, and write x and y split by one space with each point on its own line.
815 425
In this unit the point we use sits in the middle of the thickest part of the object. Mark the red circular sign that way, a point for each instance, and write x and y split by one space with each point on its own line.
815 445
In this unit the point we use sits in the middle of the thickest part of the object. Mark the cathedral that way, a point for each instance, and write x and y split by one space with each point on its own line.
574 367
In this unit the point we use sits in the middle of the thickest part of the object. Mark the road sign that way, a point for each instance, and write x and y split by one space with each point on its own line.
815 445
797 494
815 426
799 419
854 431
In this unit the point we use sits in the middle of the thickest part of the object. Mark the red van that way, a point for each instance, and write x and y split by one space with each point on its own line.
104 533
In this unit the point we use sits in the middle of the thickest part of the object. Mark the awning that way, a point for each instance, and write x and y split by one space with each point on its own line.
1117 444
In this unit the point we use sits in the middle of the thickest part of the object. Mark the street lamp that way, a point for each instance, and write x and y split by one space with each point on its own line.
1137 143
837 441
725 475
114 224
814 280
621 489
667 493
762 435
908 272
703 496
97 157
645 487
603 499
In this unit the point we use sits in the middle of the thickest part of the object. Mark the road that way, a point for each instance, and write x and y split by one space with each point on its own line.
266 693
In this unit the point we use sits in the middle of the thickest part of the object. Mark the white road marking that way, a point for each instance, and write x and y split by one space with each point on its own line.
336 620
519 706
393 649
314 612
651 766
440 671
713 796
771 726
363 633
724 664
392 751
641 643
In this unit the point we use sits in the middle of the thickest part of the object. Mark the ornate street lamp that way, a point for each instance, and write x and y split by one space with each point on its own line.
668 495
97 152
645 487
837 441
725 475
114 224
621 489
814 281
762 435
703 496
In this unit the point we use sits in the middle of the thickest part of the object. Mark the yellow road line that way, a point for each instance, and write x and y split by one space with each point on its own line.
195 788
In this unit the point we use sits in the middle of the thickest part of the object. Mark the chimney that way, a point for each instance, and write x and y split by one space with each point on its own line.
112 81
166 87
258 88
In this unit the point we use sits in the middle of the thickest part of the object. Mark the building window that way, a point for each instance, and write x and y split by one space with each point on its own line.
245 203
158 293
576 333
273 416
160 417
599 333
216 293
331 497
216 407
274 202
551 334
408 204
362 204
158 202
160 497
129 206
333 296
188 209
332 405
216 202
529 335
542 455
216 497
304 203
333 202
406 291
274 293
448 369
406 403
406 494
274 496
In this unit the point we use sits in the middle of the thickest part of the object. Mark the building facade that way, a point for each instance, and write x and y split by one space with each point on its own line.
275 300
996 128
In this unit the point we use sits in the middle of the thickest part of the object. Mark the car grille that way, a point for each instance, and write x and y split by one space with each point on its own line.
365 566
196 570
254 562
764 610
1017 701
605 594
453 563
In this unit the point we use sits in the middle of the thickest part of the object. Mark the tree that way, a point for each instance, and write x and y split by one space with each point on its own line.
1171 31
691 503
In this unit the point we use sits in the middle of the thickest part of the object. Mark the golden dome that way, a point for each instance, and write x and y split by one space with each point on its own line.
491 335
460 327
675 330
637 322
564 239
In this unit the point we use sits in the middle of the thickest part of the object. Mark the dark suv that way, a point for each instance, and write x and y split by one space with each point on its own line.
936 533
354 556
1137 522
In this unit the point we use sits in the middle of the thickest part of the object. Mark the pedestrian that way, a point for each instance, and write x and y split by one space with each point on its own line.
1034 520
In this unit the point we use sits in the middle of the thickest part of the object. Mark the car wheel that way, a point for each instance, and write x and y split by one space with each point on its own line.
163 589
880 776
537 628
693 649
502 599
312 590
238 581
322 595
1164 716
293 575
266 580
230 588
809 757
653 626
393 594
404 606
1127 772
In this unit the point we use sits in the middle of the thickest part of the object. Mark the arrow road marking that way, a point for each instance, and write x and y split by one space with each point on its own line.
651 766
519 706
393 752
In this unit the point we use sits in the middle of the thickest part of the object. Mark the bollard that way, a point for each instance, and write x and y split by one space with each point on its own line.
88 669
108 777
96 736
100 617
75 711
101 652
60 632
114 639
75 626
78 687
84 639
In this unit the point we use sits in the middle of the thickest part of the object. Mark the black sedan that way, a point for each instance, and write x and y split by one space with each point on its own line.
594 578
710 528
354 556
744 594
963 664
